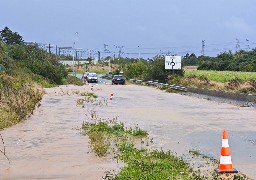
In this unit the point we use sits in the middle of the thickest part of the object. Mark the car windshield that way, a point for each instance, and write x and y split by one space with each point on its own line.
118 76
92 74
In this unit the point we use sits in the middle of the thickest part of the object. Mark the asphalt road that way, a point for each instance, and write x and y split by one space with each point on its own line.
100 79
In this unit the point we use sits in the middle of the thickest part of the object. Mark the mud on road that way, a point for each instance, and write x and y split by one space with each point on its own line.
49 144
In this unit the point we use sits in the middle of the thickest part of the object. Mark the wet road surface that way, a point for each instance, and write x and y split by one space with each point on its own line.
48 145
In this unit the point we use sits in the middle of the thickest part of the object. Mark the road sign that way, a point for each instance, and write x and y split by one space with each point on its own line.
172 62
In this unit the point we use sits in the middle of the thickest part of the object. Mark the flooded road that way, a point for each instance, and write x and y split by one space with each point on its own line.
48 145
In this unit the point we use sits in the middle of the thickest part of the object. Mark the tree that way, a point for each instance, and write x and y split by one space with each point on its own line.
157 71
10 38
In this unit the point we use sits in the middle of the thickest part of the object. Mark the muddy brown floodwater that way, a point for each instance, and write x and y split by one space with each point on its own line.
48 145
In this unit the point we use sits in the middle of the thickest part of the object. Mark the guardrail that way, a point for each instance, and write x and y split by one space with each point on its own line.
228 95
155 83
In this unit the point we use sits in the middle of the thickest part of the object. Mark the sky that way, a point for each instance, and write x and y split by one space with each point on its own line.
136 28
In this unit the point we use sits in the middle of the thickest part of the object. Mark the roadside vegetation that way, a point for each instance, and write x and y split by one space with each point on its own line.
17 99
218 79
231 81
24 70
222 76
113 139
242 60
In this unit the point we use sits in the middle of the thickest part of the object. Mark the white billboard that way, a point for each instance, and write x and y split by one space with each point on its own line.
172 62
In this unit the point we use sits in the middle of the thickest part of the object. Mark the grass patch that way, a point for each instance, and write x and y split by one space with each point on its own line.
222 76
91 98
74 80
108 137
194 152
229 81
101 132
155 164
99 71
17 99
89 94
137 132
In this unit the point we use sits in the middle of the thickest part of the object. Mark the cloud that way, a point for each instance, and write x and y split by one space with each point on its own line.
238 24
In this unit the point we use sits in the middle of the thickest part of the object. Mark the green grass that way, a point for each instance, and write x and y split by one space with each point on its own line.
99 133
76 72
194 152
152 164
74 80
18 99
101 71
223 76
108 137
89 94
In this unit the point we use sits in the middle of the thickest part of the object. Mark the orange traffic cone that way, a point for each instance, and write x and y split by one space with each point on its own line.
111 97
225 165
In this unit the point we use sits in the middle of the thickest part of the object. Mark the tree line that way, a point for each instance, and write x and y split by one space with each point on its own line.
15 54
226 61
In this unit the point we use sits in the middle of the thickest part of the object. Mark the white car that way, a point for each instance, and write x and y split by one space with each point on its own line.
92 77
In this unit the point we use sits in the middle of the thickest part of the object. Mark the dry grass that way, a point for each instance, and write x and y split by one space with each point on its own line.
190 68
235 85
17 99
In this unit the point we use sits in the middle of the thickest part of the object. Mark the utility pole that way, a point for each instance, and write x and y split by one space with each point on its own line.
105 48
247 45
98 56
203 47
74 53
49 48
237 45
139 52
119 51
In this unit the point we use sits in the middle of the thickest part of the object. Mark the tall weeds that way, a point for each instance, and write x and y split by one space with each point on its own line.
17 99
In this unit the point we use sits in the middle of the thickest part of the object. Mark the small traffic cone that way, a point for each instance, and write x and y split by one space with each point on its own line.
225 165
111 97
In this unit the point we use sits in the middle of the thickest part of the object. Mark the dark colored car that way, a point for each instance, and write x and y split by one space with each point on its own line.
118 79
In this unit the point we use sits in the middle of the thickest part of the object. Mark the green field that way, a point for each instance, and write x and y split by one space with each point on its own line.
223 76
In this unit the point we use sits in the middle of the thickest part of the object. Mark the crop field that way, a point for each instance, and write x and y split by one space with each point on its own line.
223 76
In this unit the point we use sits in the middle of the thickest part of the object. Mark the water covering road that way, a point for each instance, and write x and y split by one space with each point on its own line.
48 144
